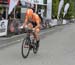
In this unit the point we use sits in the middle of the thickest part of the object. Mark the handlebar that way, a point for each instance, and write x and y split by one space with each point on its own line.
27 29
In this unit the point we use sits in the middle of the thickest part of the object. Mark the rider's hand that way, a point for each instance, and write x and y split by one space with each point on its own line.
21 27
26 26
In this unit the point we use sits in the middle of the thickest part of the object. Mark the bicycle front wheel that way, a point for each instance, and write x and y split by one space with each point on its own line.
25 48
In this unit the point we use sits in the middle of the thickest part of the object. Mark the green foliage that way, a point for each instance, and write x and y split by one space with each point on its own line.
70 11
55 8
0 9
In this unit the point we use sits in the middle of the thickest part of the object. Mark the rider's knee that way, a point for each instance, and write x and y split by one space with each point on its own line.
37 30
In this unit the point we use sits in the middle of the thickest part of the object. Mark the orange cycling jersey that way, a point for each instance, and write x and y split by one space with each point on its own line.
29 12
34 17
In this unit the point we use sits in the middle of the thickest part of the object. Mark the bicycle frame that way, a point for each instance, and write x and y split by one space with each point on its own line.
30 35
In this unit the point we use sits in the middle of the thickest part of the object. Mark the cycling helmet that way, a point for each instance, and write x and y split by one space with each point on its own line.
29 12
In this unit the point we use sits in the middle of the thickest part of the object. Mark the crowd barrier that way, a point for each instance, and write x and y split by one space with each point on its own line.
12 26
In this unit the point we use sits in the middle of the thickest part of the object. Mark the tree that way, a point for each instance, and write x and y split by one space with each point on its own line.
55 4
70 11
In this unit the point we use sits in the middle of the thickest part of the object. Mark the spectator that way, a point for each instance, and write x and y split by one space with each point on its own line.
4 14
18 15
9 17
39 13
1 16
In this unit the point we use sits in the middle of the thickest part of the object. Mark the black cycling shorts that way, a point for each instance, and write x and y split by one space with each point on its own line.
34 24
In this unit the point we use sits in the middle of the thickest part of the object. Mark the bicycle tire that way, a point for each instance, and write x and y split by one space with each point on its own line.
22 50
35 49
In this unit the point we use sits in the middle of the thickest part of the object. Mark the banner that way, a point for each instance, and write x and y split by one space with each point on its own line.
65 21
54 22
60 7
38 1
12 4
3 27
66 9
35 1
24 2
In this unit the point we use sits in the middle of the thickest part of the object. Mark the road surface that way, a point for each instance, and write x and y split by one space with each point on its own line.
56 48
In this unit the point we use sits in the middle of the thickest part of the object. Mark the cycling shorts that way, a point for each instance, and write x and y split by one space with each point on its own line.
33 23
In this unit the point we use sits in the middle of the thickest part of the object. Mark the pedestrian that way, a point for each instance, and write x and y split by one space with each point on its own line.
18 14
4 13
1 18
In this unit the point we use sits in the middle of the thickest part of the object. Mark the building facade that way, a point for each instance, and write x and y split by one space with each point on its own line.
41 6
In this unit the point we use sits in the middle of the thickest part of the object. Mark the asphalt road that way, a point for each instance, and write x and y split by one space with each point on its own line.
10 40
57 47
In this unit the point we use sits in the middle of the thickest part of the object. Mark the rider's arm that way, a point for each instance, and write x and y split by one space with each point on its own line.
38 24
25 21
38 20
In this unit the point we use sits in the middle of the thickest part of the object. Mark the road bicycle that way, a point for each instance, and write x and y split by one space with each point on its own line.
29 43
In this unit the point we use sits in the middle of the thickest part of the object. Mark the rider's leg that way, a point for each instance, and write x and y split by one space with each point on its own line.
37 35
36 32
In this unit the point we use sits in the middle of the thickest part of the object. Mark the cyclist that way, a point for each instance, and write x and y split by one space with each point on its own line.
32 20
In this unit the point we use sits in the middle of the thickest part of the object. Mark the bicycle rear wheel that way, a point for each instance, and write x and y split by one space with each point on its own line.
25 48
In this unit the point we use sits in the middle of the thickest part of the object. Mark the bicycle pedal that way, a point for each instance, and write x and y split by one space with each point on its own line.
32 45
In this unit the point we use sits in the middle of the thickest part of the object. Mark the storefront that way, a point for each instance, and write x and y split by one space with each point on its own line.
40 7
4 4
5 23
